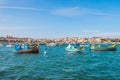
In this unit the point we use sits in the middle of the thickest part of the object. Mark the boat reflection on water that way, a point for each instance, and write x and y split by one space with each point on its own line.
74 53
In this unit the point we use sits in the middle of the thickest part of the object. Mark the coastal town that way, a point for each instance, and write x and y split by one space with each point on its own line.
11 39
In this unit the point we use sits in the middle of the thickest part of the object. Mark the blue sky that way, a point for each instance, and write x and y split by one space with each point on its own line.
60 18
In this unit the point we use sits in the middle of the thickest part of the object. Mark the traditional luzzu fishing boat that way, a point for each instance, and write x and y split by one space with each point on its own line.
109 48
71 48
26 48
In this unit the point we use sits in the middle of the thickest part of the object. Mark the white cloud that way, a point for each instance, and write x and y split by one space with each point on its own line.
98 12
95 33
73 11
90 31
13 28
77 11
21 8
105 34
3 19
112 34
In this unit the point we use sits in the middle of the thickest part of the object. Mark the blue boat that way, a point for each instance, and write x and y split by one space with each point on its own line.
26 48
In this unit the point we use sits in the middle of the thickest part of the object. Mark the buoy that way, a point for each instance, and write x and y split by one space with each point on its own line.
45 52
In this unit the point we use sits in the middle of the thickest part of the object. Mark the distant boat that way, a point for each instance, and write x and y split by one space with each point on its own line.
26 49
109 48
51 44
1 44
9 45
72 48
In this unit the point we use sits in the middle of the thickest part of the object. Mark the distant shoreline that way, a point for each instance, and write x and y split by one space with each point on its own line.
60 40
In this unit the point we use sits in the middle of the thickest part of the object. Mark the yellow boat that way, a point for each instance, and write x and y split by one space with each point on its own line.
109 48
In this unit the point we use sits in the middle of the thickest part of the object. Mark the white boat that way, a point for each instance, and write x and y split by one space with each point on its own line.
51 44
71 48
9 45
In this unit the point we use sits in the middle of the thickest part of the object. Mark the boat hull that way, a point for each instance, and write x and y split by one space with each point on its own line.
73 50
36 50
104 49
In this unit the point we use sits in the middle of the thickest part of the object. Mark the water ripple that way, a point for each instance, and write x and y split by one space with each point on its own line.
58 64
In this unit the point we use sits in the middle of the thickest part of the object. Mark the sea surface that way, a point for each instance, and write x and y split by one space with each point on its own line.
58 64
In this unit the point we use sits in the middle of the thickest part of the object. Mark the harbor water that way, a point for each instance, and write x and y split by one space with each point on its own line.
57 64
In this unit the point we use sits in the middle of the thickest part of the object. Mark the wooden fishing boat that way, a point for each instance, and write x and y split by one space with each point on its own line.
35 50
71 48
31 49
110 48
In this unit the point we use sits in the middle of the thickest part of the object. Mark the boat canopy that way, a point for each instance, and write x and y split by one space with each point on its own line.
70 46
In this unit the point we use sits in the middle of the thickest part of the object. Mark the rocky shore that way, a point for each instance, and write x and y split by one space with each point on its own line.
10 39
